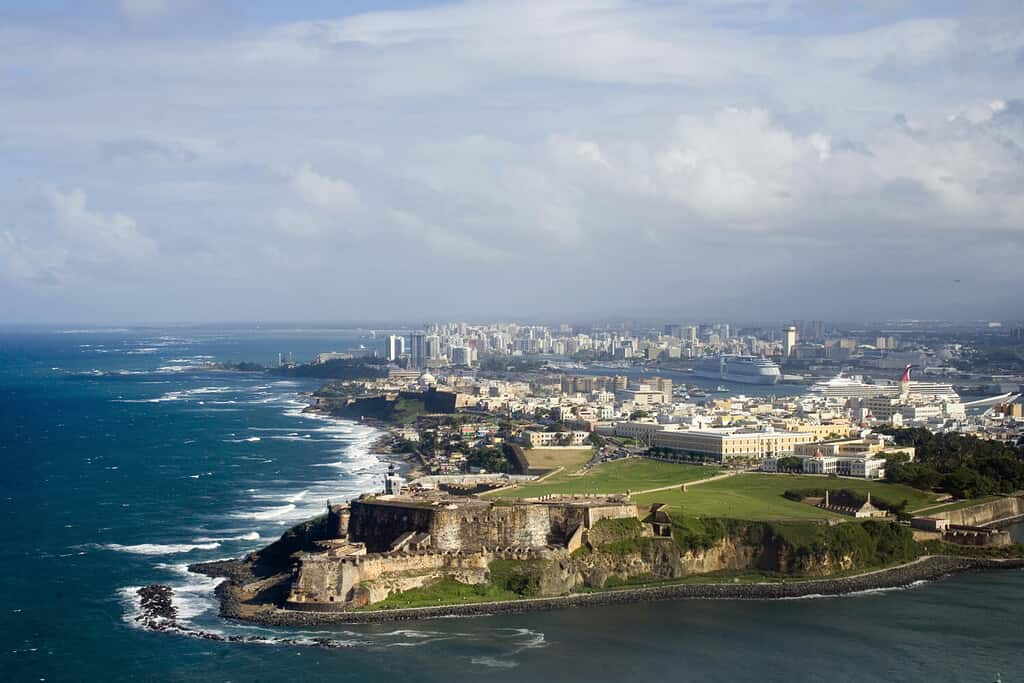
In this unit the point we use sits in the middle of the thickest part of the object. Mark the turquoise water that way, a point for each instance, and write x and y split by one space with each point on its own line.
123 462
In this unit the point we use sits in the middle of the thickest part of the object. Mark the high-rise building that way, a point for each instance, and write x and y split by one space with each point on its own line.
394 347
789 342
418 349
673 330
462 355
432 348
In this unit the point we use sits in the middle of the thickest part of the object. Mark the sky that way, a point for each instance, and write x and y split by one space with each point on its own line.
205 160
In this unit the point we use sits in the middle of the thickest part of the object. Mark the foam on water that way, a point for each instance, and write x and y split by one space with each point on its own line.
251 536
294 497
159 548
297 497
858 594
266 513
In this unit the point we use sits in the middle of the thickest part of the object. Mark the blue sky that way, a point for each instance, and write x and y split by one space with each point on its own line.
178 160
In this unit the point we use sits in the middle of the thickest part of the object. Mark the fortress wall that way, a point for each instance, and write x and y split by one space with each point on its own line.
496 526
352 582
378 525
596 514
319 579
985 513
468 528
563 520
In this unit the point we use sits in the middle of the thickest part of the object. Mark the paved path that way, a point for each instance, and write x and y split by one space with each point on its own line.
932 507
687 484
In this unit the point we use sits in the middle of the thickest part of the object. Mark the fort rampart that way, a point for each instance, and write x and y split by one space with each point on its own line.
985 513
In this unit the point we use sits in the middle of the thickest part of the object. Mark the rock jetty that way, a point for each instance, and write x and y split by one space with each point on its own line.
158 613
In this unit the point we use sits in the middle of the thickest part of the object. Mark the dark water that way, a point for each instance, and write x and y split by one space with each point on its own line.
122 462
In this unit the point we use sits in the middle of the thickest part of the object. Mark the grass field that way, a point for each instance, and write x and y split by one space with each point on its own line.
619 476
443 592
550 458
759 496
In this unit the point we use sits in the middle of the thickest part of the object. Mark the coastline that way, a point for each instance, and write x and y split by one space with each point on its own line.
408 464
929 568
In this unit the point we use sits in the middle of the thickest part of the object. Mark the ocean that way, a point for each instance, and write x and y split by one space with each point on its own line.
124 460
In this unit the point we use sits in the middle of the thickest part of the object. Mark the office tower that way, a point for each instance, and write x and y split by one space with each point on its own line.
418 349
394 347
790 341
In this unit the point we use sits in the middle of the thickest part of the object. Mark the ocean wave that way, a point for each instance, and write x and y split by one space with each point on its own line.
297 497
494 662
209 390
856 594
248 439
266 513
159 548
164 398
251 536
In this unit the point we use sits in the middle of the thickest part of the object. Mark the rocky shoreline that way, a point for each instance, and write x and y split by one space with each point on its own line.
157 613
924 569
409 464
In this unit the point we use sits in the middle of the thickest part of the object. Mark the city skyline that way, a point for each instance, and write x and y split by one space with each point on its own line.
178 161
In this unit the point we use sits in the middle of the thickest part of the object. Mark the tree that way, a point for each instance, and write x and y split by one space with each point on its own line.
790 464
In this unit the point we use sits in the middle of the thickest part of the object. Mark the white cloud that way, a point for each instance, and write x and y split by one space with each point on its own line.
20 262
529 142
323 191
102 238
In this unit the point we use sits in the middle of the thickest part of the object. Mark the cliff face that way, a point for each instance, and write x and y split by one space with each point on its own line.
728 554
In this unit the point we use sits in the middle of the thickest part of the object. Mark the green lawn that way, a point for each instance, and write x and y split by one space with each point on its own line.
619 476
550 458
447 591
759 496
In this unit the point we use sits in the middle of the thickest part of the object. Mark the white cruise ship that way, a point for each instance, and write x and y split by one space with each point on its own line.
844 388
736 368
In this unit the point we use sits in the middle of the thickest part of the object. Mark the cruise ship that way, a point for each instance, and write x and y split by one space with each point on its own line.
736 368
844 388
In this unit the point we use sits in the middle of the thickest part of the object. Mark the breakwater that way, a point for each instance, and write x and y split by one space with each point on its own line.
924 569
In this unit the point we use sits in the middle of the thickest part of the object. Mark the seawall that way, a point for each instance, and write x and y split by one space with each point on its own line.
983 514
924 569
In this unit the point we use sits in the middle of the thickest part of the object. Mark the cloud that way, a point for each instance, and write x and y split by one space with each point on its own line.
611 152
323 206
100 238
20 262
323 191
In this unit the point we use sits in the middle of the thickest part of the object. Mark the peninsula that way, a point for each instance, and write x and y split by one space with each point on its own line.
534 486
405 554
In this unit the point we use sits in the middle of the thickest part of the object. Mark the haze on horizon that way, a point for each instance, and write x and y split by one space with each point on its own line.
179 160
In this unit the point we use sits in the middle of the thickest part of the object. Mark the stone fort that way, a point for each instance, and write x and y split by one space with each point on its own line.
383 544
